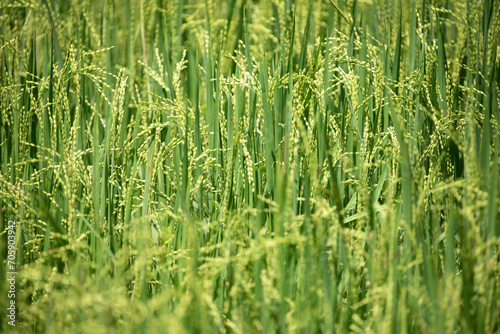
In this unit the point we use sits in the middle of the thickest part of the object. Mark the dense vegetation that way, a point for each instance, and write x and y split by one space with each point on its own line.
251 166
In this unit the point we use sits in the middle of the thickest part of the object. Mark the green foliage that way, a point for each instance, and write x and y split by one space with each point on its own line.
251 166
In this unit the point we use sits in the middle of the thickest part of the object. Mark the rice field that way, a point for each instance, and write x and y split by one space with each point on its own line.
250 166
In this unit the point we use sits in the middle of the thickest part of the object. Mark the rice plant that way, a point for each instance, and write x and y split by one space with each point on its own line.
245 166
